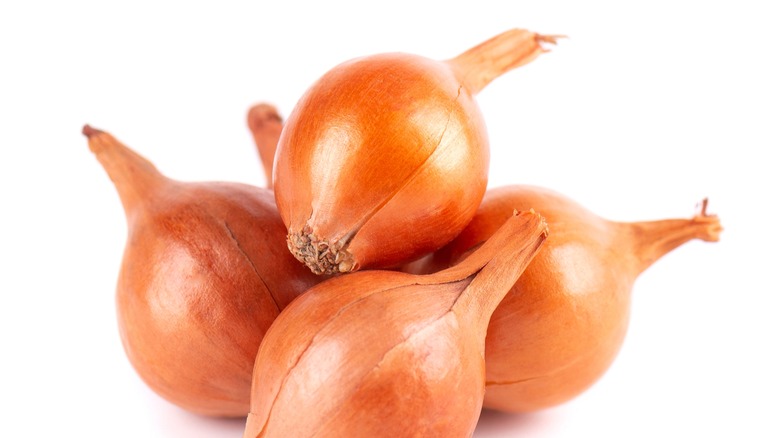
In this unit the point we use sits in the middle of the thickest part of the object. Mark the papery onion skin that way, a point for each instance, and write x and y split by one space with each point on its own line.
384 353
385 158
409 132
561 326
204 273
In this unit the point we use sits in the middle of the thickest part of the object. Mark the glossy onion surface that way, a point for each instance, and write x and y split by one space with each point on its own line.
385 155
562 324
204 274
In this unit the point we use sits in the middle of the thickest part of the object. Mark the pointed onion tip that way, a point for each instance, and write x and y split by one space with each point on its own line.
261 113
89 131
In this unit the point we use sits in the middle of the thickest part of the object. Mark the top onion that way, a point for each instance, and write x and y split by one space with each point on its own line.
385 158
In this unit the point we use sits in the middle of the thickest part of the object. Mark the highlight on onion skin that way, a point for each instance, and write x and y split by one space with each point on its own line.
562 324
385 157
204 273
385 353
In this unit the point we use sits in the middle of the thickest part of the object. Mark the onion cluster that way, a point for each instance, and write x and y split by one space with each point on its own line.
247 302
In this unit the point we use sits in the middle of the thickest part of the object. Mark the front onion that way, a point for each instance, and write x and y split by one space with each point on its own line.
385 158
388 354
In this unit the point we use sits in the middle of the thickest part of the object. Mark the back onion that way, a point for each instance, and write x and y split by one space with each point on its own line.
562 324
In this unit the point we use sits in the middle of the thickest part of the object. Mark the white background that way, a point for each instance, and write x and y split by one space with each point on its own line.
644 110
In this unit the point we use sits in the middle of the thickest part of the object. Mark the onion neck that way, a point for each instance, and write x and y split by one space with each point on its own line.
134 177
654 239
480 65
265 124
498 264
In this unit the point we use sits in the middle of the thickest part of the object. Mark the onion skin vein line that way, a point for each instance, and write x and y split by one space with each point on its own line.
347 238
252 264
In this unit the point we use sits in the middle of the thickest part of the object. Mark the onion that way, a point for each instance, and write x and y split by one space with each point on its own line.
562 324
204 274
385 158
384 353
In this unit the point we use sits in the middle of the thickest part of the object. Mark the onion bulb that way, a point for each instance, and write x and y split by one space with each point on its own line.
562 324
385 157
205 271
386 353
